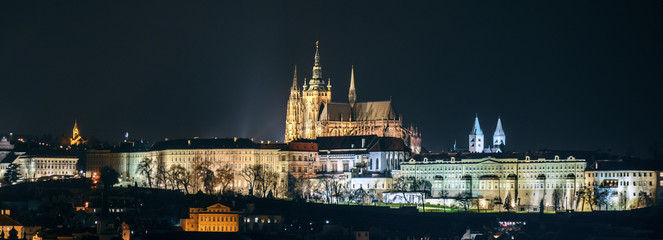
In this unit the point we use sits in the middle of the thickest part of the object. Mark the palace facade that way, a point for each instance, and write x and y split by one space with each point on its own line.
526 181
311 113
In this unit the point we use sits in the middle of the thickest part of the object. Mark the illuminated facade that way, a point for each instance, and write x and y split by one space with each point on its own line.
527 181
37 166
311 113
235 153
215 218
626 189
76 138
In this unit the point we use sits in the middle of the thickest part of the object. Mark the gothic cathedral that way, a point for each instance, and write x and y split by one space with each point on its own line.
312 114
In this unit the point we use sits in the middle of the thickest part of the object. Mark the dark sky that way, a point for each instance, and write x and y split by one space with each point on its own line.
562 74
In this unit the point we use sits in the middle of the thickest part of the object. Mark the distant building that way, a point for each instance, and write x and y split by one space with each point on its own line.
215 218
363 153
35 166
627 185
526 179
76 138
234 153
302 158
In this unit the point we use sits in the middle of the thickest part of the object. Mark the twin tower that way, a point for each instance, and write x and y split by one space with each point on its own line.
477 144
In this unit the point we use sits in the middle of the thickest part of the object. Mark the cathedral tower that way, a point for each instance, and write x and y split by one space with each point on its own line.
315 95
293 119
476 137
352 95
499 138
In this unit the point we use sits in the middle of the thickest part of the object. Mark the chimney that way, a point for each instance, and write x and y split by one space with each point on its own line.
363 142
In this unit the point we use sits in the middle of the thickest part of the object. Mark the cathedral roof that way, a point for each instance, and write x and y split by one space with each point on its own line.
362 111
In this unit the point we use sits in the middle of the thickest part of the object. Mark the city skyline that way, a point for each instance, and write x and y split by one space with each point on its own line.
559 76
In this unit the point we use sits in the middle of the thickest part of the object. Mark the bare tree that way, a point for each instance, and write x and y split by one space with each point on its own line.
206 176
266 180
252 175
401 185
161 176
331 189
444 194
557 197
145 169
600 197
464 199
623 200
181 176
225 177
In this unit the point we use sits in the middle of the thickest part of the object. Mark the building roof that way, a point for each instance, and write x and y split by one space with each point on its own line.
205 144
346 142
624 165
372 143
512 155
9 157
362 111
7 221
389 144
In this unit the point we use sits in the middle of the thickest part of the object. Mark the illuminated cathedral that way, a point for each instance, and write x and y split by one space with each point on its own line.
312 114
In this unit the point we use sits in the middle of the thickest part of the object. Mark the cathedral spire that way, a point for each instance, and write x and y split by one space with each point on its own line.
294 79
317 69
352 95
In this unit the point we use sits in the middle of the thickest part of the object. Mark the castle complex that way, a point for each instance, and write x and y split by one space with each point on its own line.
312 114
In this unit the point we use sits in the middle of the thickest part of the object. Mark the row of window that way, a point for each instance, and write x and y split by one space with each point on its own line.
217 219
620 174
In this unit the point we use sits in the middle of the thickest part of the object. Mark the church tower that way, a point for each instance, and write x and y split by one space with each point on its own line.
76 138
315 94
499 138
293 119
352 95
476 137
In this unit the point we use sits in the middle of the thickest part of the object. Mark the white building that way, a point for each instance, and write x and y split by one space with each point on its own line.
627 186
35 166
526 180
370 153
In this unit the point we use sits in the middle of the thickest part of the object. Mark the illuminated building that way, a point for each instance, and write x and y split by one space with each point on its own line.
627 186
7 155
215 218
526 180
302 159
235 153
76 138
35 166
366 153
9 227
311 113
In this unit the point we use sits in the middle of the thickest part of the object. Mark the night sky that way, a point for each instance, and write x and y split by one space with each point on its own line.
579 75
